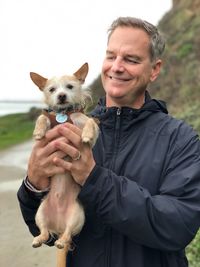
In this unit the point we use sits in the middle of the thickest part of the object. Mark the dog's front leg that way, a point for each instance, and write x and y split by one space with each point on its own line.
90 128
90 132
41 127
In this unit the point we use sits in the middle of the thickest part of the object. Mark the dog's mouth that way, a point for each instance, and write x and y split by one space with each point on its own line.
62 105
65 107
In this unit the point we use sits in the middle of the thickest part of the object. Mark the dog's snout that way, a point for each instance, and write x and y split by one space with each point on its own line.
62 98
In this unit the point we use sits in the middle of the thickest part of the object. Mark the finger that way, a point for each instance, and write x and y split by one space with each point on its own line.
50 148
67 149
52 134
59 154
56 170
74 137
62 164
51 171
49 136
73 128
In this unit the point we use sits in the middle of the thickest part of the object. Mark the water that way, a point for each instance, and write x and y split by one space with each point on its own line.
17 107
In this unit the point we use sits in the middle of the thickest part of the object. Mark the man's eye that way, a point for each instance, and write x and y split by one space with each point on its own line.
69 86
52 89
132 61
110 57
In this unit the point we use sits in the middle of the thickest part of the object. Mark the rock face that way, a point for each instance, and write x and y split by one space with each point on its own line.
179 82
194 5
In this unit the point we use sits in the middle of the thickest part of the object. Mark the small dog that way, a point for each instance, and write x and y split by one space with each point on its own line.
60 212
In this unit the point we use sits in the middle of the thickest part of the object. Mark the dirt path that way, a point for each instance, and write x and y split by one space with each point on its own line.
16 250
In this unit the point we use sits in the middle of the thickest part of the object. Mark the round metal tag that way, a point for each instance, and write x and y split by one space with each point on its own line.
61 118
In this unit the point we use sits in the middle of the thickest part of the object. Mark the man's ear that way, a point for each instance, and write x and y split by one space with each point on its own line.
155 70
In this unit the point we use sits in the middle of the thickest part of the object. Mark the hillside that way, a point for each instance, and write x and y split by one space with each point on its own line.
179 82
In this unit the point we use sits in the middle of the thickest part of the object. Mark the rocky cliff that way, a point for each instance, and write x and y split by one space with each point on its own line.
179 82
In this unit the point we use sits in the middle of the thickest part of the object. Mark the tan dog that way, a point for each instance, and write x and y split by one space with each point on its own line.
60 212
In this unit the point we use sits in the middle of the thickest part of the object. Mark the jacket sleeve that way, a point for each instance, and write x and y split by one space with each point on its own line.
166 221
29 203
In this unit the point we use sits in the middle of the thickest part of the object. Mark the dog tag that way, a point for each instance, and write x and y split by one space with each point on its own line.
61 118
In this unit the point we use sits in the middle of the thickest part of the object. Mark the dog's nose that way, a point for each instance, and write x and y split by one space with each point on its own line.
62 98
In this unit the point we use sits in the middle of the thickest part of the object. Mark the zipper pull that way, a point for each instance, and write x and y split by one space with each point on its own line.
118 111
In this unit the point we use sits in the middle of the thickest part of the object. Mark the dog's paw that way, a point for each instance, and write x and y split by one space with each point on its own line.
86 138
60 244
38 135
36 243
90 133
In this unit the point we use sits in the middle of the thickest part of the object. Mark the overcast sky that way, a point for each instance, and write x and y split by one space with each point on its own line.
55 37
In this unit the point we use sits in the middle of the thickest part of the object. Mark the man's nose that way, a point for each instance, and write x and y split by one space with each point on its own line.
117 65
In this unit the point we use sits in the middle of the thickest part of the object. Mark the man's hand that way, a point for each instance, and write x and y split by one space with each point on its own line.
41 165
80 167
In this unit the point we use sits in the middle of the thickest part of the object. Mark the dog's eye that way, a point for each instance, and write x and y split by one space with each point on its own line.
69 86
52 89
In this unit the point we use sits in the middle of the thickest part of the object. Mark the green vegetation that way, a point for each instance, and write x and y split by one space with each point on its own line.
193 252
184 50
14 129
191 115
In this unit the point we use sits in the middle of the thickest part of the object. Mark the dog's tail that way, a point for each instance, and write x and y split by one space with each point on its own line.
62 257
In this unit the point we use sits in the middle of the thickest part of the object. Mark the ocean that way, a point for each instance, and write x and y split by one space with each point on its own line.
11 107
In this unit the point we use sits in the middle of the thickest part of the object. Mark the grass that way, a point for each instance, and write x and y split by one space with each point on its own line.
14 129
193 252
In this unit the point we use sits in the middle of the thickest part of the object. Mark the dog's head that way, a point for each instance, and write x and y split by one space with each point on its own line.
60 92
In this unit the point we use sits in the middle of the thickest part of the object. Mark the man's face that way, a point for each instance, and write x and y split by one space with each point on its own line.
127 68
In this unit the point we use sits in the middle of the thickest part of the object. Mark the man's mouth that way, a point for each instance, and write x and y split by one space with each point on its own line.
119 79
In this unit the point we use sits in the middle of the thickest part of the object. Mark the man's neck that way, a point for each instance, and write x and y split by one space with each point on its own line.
137 104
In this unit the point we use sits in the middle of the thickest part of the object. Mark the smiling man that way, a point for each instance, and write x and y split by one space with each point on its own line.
140 185
128 67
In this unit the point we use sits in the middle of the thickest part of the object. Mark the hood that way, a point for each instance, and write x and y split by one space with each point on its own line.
150 106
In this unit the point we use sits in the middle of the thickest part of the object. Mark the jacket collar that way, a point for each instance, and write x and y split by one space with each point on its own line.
150 106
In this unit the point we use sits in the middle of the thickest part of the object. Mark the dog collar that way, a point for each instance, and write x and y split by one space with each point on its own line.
62 115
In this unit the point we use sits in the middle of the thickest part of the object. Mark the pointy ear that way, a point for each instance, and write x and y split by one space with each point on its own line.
81 73
38 80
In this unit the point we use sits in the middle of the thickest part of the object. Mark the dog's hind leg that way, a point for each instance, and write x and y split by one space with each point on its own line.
40 239
42 225
74 222
64 240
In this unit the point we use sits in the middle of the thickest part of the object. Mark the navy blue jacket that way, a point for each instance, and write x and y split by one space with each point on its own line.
142 199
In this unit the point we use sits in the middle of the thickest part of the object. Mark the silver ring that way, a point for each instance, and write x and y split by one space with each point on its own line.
78 157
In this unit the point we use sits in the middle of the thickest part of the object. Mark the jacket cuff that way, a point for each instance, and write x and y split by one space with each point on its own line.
28 197
33 189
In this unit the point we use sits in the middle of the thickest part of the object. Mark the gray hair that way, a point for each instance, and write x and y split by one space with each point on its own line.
157 42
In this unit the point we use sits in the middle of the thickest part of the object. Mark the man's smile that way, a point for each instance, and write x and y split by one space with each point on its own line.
119 79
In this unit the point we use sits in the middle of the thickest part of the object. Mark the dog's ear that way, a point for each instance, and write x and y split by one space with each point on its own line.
38 80
81 73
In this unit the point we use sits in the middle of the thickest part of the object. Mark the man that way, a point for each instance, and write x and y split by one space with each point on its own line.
141 182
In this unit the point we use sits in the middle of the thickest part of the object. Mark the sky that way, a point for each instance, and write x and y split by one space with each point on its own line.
55 37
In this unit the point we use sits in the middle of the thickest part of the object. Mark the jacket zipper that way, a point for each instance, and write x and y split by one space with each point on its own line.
112 165
116 137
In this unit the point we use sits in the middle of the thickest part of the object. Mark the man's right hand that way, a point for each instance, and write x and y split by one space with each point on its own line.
40 165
